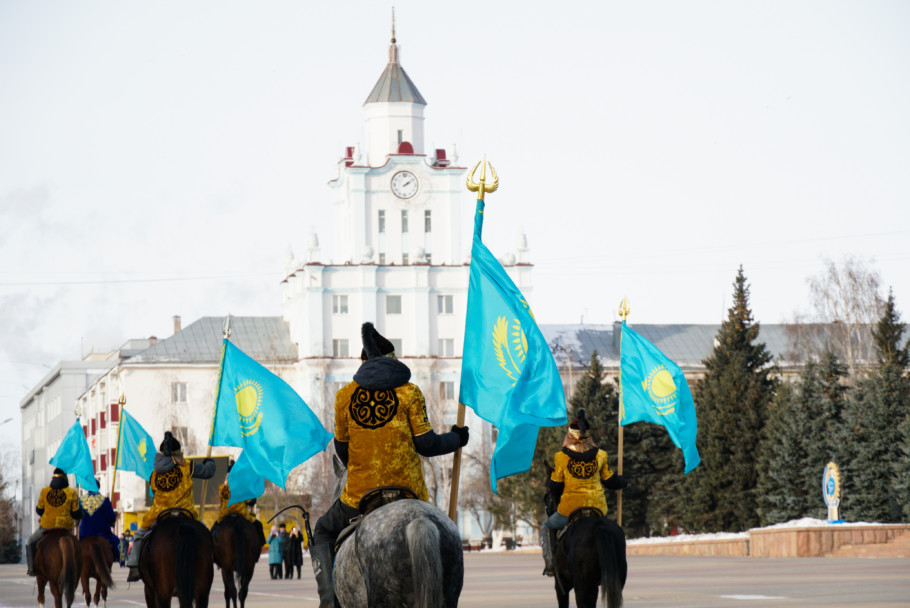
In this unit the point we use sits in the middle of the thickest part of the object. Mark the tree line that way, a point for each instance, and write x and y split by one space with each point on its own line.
764 439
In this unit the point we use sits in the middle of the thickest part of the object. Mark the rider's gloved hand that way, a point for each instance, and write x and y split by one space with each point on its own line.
462 432
616 482
205 461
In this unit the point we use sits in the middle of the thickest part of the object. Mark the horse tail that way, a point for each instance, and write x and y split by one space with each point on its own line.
68 577
186 563
610 585
426 563
102 571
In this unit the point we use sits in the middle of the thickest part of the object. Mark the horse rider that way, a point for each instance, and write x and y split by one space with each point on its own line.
98 516
579 479
243 508
58 507
381 430
172 483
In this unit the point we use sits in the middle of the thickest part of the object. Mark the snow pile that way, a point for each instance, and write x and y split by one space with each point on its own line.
805 522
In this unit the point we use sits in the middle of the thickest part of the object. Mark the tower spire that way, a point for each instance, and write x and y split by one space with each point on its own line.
393 48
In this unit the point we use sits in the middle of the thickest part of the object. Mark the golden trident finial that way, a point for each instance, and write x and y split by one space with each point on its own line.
122 400
624 308
482 187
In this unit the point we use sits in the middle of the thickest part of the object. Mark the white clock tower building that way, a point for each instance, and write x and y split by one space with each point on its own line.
398 262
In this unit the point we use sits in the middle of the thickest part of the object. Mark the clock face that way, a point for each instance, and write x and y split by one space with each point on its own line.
404 184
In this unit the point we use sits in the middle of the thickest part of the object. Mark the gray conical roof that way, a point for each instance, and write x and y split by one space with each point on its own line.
394 84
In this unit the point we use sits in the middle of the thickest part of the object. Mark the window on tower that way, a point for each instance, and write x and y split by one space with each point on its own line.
396 343
339 348
427 224
446 347
446 391
178 392
444 305
339 305
381 221
400 136
393 305
404 259
404 220
381 259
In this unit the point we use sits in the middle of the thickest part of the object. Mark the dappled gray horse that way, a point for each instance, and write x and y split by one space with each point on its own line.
407 553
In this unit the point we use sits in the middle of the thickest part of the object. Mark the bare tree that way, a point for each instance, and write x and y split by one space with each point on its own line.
437 471
476 496
844 303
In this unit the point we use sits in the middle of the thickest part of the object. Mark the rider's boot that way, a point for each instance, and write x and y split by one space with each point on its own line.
30 558
547 542
133 560
321 556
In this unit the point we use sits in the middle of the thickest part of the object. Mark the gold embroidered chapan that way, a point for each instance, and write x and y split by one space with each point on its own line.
58 508
582 481
238 508
378 426
173 490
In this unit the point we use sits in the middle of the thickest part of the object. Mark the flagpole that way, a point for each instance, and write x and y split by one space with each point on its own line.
481 188
624 310
226 333
122 403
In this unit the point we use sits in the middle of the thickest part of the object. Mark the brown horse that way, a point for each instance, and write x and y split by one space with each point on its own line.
96 564
176 560
237 550
57 561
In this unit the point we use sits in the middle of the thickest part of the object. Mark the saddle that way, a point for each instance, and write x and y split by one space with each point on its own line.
577 515
174 512
372 500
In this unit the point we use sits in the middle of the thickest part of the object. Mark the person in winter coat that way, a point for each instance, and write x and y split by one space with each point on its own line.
58 507
293 553
98 516
274 553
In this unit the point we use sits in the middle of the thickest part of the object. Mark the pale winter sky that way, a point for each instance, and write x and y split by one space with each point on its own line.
160 158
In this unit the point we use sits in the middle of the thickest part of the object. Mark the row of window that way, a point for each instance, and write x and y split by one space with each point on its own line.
445 305
445 347
427 221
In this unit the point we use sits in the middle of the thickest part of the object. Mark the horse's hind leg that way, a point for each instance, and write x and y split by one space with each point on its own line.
86 589
586 597
41 584
230 591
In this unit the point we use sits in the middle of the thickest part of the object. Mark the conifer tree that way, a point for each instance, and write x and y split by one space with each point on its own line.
876 479
731 402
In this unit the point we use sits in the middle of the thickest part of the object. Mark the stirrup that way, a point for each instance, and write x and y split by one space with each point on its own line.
548 571
133 575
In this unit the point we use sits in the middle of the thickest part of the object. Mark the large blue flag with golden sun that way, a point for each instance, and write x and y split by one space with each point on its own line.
73 456
135 447
259 412
652 388
508 375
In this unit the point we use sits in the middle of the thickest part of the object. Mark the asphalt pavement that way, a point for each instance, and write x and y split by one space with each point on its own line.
511 579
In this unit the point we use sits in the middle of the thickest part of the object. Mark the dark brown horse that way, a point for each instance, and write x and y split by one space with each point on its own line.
96 564
176 560
237 549
58 562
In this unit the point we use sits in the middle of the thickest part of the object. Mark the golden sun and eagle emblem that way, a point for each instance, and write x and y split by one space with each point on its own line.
249 401
661 389
511 345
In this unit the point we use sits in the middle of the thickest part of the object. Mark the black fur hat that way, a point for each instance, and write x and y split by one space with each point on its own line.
374 344
580 422
59 471
169 445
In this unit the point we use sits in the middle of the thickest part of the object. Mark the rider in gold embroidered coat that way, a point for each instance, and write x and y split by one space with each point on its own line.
172 483
381 429
243 508
58 507
580 474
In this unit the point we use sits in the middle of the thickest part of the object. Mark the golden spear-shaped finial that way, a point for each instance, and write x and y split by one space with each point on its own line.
624 308
482 187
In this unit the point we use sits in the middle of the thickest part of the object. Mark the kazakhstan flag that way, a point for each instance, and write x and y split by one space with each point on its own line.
652 388
73 456
135 447
508 375
259 412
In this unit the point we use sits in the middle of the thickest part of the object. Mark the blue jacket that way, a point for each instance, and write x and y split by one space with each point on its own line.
97 518
275 543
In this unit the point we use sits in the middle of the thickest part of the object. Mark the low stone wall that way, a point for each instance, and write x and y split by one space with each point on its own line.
817 541
810 541
733 547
